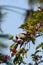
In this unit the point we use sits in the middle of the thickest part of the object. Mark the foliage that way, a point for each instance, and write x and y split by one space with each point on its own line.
40 45
33 26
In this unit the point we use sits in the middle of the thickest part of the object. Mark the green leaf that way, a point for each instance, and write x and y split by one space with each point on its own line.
16 46
41 29
42 48
30 64
11 37
21 26
23 53
33 55
12 54
37 51
40 1
40 62
33 40
40 45
12 45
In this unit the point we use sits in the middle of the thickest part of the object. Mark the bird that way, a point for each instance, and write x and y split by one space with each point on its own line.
21 36
40 9
24 37
18 41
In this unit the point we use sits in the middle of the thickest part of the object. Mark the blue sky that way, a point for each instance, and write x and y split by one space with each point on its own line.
13 20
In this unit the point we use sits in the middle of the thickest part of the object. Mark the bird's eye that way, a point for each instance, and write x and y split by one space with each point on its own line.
16 37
